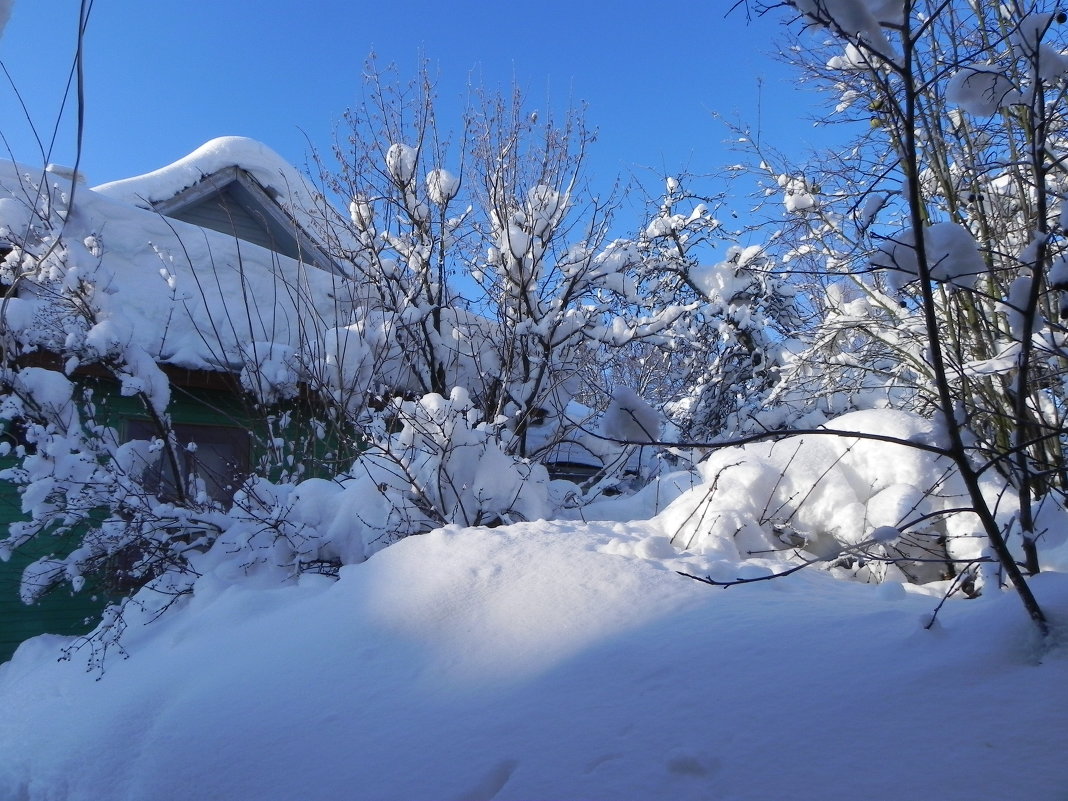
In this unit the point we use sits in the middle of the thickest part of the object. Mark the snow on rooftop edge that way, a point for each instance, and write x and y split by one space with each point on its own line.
269 169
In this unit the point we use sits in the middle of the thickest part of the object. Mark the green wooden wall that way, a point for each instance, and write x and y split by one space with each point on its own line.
62 611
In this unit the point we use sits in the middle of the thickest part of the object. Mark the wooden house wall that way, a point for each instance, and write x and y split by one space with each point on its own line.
63 611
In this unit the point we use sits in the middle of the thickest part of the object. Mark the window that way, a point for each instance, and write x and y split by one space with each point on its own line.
218 456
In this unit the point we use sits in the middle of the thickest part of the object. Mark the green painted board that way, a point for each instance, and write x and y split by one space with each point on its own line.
63 611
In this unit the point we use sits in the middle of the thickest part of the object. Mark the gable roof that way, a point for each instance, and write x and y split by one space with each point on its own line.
230 201
235 186
279 178
189 295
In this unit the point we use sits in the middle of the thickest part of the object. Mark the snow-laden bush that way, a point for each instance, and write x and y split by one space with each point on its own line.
76 478
500 277
439 466
446 466
836 498
725 354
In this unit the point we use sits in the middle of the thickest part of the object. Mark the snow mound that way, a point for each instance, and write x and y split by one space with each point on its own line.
545 661
828 494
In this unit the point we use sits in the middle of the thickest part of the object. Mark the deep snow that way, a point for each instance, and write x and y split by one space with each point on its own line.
549 660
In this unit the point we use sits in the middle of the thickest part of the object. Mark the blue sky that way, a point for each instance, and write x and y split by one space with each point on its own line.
163 77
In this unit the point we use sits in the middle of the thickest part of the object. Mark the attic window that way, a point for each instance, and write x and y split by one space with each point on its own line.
233 203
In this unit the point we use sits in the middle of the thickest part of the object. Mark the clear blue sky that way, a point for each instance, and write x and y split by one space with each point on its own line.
163 77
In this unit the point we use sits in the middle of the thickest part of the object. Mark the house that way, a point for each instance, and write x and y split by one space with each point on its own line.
235 186
209 269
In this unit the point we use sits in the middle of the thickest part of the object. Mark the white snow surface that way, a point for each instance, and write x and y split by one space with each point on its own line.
548 660
270 170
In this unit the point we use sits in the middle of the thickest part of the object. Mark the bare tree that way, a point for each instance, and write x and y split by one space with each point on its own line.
486 259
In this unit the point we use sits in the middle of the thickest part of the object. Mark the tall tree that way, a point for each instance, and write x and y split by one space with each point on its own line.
940 233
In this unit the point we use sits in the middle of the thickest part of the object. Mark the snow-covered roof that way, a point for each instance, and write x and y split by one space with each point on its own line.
237 186
279 178
190 296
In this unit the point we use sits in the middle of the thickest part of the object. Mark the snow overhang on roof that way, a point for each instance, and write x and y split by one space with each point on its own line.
236 186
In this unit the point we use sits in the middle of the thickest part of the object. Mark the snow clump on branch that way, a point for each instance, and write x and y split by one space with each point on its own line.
400 161
981 91
441 186
952 256
799 194
864 19
629 418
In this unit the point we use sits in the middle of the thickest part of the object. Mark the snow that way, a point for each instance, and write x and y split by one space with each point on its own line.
798 196
1029 31
270 170
830 493
952 256
441 186
400 161
629 418
270 372
885 534
863 19
547 660
160 284
981 91
565 659
852 58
